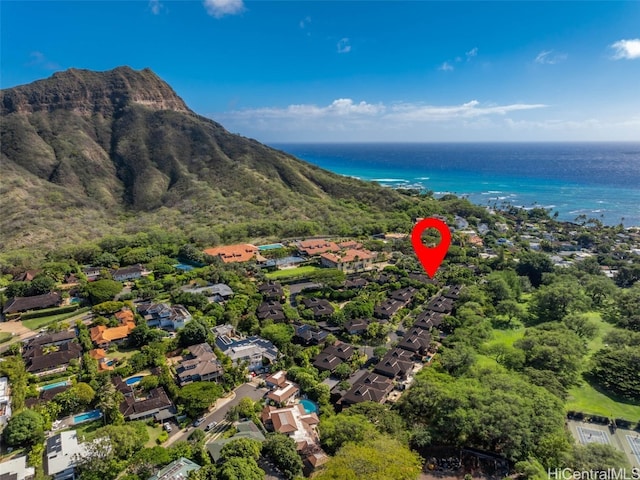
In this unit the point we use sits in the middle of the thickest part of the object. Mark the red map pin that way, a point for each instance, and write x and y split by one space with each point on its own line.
431 258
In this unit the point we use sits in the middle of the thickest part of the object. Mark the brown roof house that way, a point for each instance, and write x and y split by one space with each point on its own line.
103 336
370 388
201 365
294 422
35 302
235 253
397 363
42 360
333 355
131 272
348 261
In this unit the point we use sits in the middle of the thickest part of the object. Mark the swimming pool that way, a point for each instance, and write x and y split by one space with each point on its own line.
85 417
64 383
309 406
271 246
133 380
184 267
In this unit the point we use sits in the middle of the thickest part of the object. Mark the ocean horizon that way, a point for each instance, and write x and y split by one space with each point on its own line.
600 180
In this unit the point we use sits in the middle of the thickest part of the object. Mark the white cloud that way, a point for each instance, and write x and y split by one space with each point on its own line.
548 57
220 8
156 6
445 67
626 49
472 109
304 22
344 46
341 107
38 59
472 53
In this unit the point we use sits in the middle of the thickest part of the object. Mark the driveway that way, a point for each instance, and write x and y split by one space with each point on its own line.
223 405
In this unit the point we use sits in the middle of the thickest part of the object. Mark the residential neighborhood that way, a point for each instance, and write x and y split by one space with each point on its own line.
154 352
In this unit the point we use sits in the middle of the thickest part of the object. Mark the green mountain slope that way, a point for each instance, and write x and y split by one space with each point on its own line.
86 153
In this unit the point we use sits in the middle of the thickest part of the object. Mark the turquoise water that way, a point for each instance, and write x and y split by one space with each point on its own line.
184 267
54 385
271 246
599 180
85 417
133 380
309 406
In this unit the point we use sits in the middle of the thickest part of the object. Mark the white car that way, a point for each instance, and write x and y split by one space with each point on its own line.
167 426
210 426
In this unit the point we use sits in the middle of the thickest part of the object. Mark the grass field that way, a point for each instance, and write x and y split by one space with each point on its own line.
292 272
5 337
506 337
587 399
38 323
154 433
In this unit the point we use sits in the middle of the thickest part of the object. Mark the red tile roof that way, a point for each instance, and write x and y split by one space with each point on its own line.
242 252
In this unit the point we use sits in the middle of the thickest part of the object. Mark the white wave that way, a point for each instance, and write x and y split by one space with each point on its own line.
423 178
390 180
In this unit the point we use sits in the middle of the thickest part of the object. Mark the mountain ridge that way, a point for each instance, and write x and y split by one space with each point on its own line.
103 146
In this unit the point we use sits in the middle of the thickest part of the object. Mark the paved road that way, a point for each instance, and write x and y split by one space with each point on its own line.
222 407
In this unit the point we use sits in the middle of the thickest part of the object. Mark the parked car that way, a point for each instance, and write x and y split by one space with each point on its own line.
198 422
210 426
167 426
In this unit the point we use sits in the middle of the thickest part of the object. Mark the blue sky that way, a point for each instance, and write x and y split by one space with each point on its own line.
358 71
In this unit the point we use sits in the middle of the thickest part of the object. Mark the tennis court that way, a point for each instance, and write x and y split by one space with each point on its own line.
592 435
634 442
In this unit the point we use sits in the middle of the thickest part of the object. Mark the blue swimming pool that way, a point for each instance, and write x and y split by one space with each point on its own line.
271 246
133 380
85 417
64 383
309 406
184 267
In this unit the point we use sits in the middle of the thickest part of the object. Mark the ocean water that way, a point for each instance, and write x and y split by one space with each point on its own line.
599 180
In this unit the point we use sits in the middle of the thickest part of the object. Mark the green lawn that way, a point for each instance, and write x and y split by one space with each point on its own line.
38 323
506 337
154 433
587 399
5 337
292 272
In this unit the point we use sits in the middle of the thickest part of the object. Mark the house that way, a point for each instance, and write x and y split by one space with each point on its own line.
100 356
5 402
177 470
276 380
27 276
309 335
387 309
92 273
333 355
294 422
103 336
453 292
271 291
416 341
35 302
404 295
440 304
200 365
284 394
348 261
52 339
246 429
215 293
62 454
256 352
16 469
131 272
372 387
271 310
311 248
358 283
50 358
429 319
396 363
242 252
164 316
319 306
153 404
356 326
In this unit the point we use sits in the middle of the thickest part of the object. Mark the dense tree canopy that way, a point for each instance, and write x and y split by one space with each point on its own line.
24 429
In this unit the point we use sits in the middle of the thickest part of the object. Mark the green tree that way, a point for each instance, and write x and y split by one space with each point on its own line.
376 459
241 447
278 333
555 301
337 430
193 333
196 397
282 451
616 371
24 429
102 290
237 468
533 265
